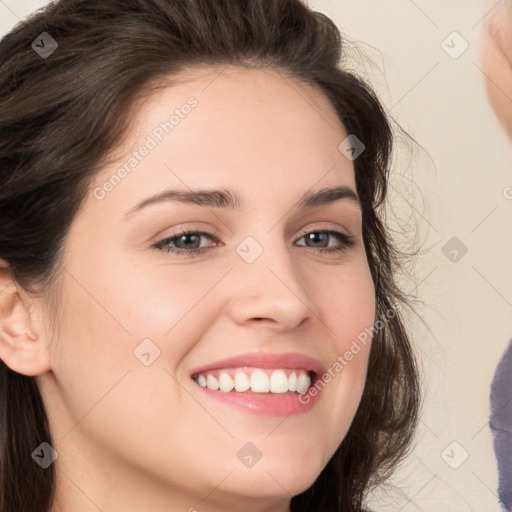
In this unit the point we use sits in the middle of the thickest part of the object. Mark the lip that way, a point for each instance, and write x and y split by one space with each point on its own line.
265 404
266 360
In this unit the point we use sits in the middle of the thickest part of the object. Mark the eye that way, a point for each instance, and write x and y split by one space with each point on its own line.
189 242
320 237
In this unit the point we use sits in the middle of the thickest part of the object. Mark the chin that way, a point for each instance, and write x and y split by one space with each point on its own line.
277 478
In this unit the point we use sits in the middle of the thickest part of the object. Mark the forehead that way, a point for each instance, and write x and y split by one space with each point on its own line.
250 126
230 84
261 100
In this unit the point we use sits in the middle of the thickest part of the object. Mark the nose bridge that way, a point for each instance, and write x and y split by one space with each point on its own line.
268 283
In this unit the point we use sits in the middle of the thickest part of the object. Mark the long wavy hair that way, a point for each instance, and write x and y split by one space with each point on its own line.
61 115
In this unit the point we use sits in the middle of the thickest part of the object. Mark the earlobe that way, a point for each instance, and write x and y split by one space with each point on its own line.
22 348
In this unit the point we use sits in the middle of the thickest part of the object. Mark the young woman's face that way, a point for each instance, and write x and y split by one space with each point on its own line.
136 322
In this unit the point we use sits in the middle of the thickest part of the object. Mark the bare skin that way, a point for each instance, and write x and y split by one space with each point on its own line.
496 61
142 438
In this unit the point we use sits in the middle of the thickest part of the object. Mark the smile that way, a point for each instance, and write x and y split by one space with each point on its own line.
262 383
256 380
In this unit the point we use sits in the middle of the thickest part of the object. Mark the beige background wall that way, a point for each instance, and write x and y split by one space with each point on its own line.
453 187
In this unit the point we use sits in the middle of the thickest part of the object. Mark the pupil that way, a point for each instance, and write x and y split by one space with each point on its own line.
313 236
184 237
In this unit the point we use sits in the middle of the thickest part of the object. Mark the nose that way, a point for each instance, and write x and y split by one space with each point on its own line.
270 292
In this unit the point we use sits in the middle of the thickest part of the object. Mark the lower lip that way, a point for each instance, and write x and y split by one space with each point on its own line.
266 404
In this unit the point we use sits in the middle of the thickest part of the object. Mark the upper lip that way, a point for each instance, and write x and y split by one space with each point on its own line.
266 360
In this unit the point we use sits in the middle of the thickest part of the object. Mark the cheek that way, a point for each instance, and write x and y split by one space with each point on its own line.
114 317
157 298
349 312
95 344
349 306
101 381
130 303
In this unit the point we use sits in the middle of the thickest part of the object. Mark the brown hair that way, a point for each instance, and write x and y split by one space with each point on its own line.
61 115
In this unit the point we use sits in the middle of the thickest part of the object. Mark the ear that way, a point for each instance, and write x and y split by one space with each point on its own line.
23 344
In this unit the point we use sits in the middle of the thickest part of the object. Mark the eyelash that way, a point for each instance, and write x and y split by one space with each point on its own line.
347 241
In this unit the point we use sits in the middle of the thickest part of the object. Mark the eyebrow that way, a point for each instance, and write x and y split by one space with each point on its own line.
227 198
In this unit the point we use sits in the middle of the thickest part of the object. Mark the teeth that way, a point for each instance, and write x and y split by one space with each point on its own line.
212 382
278 382
242 382
259 382
256 380
226 383
201 380
303 382
292 382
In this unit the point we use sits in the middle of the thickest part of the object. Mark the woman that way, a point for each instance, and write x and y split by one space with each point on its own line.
198 307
